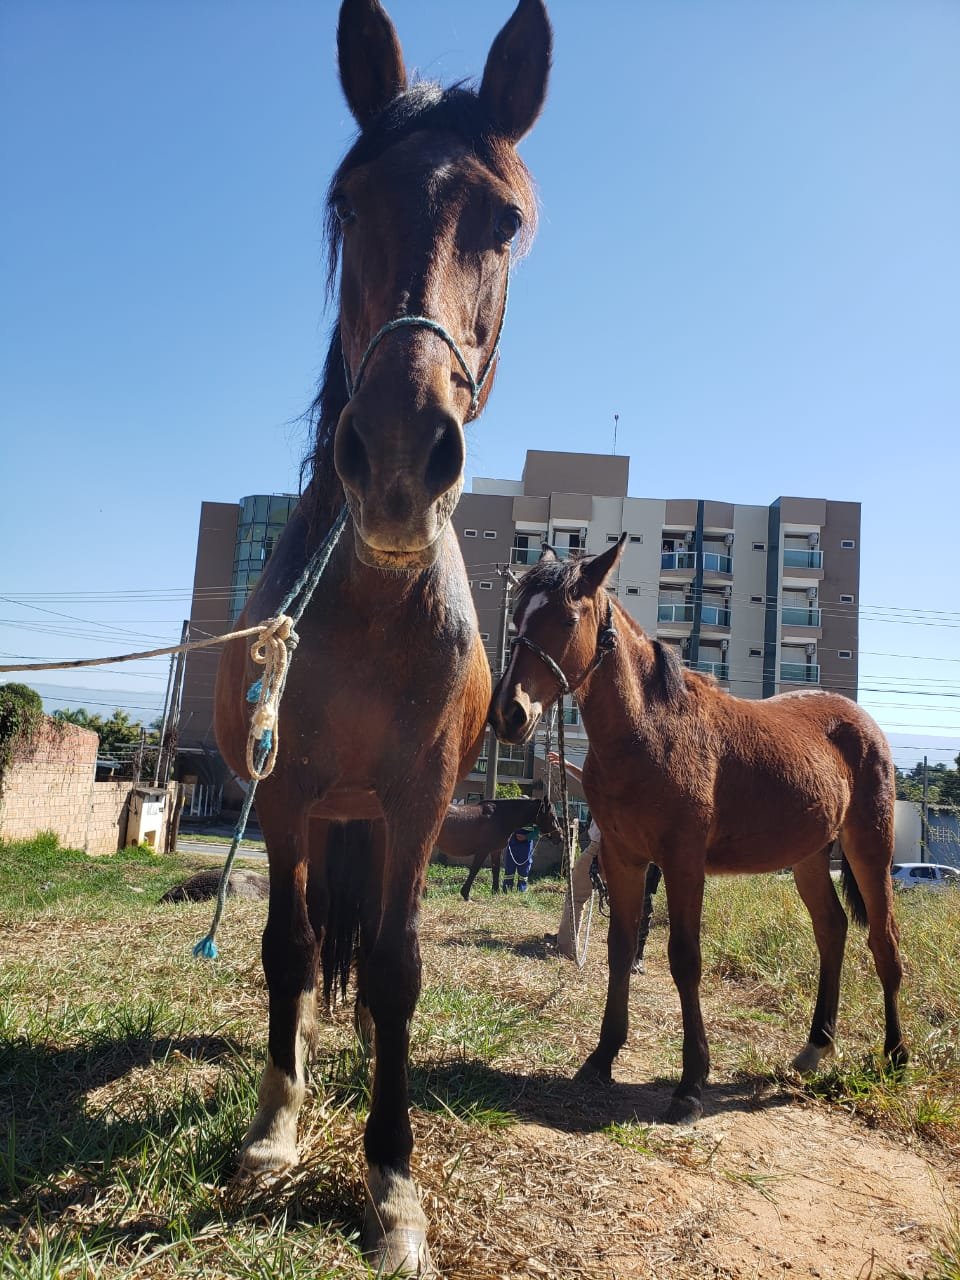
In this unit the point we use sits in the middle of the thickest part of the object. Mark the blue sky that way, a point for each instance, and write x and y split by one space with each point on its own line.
748 249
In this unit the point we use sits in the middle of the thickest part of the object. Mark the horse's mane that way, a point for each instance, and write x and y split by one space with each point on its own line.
561 576
423 106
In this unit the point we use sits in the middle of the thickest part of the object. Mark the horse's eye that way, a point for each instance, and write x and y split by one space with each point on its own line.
508 224
343 209
572 620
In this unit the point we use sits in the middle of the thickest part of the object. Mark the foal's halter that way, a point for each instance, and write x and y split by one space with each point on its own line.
476 384
606 640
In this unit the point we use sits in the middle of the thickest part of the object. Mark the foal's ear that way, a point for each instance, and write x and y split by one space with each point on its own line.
371 60
595 572
514 81
546 552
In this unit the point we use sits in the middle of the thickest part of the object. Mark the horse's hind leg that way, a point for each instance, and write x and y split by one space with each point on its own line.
812 878
495 869
868 848
289 951
478 861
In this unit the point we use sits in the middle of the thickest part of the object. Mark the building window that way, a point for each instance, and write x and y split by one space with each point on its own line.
847 544
527 547
484 635
847 599
759 546
636 537
489 533
756 599
569 542
756 653
485 586
633 591
845 653
613 537
469 533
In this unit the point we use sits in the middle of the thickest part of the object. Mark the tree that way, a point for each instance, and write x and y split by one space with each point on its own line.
119 736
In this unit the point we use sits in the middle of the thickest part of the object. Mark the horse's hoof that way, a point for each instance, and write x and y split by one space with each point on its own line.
897 1058
265 1160
591 1073
809 1058
402 1252
683 1111
395 1226
464 894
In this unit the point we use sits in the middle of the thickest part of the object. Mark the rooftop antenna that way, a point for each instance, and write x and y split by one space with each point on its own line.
616 423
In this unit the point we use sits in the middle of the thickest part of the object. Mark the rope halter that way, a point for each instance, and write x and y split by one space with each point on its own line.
476 384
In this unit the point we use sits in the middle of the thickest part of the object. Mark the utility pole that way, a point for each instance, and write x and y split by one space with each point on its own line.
924 815
173 723
166 709
493 742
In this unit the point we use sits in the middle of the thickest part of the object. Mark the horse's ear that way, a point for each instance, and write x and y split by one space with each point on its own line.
546 552
514 81
595 572
371 60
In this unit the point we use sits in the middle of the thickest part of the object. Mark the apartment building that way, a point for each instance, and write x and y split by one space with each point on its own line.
764 598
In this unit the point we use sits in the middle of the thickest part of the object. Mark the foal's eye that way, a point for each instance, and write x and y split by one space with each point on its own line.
508 224
342 208
572 620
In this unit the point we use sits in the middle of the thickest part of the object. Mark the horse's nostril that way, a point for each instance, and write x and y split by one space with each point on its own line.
350 457
516 717
445 463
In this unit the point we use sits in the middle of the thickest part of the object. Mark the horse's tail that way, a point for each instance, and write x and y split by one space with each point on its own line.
347 859
851 892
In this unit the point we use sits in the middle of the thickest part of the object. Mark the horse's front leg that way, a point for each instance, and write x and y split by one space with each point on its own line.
395 1226
478 860
289 951
625 883
683 877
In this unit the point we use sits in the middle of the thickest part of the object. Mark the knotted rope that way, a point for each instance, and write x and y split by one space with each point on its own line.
273 649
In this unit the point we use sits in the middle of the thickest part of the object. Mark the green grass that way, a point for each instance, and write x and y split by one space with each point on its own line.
757 938
128 1070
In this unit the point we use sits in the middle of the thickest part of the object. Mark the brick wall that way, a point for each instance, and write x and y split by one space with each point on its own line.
50 786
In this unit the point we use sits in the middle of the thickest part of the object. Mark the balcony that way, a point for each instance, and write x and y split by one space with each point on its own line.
715 615
715 562
720 670
525 555
800 672
674 612
571 715
792 616
671 561
802 558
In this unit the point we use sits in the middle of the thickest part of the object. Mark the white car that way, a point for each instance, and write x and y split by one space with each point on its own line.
931 875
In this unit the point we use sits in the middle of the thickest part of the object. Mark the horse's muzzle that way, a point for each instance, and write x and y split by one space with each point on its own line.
514 718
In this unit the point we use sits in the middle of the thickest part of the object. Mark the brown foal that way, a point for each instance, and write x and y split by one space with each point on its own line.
680 773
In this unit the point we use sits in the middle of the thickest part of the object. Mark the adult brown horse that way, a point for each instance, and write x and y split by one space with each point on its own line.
479 831
680 773
388 689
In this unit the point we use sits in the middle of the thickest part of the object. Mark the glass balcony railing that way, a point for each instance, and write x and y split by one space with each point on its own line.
715 615
714 562
800 672
525 555
721 670
800 617
674 612
671 560
802 558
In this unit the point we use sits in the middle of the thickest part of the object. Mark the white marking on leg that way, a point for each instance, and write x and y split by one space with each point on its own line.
270 1143
395 1226
810 1056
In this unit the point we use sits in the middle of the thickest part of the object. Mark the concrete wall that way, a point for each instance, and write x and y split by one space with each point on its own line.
50 787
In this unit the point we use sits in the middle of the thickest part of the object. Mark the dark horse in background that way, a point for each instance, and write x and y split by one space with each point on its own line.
388 690
680 773
480 831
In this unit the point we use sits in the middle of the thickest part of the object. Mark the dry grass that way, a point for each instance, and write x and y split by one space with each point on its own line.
128 1072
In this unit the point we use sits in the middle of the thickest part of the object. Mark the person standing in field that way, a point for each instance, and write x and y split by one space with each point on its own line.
518 858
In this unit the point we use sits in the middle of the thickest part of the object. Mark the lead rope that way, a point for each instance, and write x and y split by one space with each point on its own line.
272 650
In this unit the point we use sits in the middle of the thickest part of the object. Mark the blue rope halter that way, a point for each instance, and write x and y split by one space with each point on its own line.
476 385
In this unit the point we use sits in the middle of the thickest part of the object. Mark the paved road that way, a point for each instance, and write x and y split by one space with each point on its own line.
216 849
